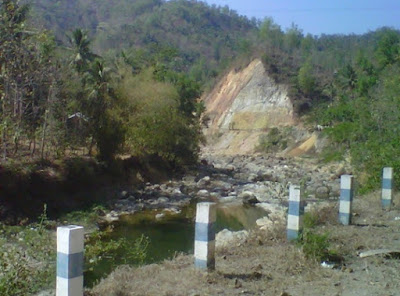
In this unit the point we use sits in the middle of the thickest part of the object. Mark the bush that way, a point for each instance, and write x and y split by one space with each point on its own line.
28 264
156 124
314 245
274 141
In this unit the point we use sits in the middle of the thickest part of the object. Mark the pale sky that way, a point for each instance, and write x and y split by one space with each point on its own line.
322 16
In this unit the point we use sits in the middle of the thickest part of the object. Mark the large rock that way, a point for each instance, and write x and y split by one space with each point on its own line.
226 238
248 197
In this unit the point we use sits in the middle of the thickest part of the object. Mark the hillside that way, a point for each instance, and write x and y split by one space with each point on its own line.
199 38
344 83
244 105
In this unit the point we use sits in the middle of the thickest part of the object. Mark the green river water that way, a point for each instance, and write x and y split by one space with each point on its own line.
170 235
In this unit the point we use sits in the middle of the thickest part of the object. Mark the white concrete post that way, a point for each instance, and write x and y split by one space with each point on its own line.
346 199
387 187
295 213
69 261
204 244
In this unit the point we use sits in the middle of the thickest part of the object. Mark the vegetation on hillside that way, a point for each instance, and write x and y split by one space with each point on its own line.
125 77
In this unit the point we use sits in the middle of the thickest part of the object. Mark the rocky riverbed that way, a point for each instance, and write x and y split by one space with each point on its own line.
258 180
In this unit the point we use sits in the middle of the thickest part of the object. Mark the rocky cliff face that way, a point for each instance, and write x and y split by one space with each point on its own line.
242 106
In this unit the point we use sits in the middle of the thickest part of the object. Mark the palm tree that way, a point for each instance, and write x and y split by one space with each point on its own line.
80 43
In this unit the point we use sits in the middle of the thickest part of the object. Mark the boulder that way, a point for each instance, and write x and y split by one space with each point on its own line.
248 197
203 193
226 238
204 182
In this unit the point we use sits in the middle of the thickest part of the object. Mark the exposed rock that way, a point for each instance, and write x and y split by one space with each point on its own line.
242 105
226 238
160 216
162 199
203 193
248 197
204 182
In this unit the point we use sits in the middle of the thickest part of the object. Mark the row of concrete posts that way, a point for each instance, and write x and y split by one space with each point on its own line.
70 238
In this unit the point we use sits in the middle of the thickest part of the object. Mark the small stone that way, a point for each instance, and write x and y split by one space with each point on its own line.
204 181
238 284
163 199
160 216
203 193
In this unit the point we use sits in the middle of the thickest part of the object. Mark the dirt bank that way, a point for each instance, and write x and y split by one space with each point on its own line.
70 184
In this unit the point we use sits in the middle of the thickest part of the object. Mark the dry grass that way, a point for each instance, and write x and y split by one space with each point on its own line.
268 265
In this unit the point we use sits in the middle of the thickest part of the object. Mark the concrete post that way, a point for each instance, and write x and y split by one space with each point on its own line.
346 199
204 244
69 261
387 187
295 214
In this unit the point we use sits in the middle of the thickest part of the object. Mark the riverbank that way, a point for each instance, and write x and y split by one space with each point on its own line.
74 183
259 181
266 264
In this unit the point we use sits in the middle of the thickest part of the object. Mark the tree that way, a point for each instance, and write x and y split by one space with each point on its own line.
104 125
348 77
388 50
82 54
25 77
293 38
306 79
271 33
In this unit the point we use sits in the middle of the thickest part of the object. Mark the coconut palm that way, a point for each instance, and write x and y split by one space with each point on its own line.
82 55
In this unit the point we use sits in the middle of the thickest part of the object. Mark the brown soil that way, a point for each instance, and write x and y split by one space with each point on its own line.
268 265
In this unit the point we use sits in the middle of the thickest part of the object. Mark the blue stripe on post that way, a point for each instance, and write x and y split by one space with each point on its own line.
204 232
344 218
69 265
387 183
292 234
386 203
346 194
294 208
199 263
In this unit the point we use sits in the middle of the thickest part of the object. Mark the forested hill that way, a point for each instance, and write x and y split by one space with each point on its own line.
203 38
125 70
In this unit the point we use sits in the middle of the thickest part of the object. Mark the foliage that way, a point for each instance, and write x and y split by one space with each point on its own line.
27 260
275 140
306 80
156 123
315 246
98 248
14 279
179 47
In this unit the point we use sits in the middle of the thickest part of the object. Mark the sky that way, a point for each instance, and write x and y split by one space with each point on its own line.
321 16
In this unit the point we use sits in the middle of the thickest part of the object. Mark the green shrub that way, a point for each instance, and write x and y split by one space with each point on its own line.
315 246
274 141
27 263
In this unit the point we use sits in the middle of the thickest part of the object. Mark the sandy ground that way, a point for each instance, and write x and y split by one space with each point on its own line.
268 265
